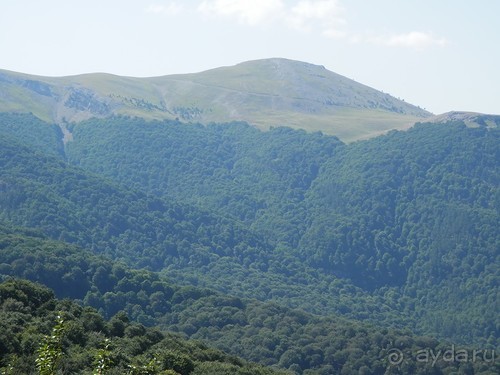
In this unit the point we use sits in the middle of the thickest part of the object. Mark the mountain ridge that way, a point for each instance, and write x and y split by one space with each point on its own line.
471 119
264 93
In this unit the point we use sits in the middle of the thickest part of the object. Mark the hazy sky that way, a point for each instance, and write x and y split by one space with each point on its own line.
442 55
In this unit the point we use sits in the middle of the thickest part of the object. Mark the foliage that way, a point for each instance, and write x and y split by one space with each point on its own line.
399 231
33 131
421 216
72 345
233 168
189 244
103 359
409 219
262 332
50 351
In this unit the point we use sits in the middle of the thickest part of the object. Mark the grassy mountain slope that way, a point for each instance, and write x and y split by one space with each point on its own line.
271 92
300 95
471 119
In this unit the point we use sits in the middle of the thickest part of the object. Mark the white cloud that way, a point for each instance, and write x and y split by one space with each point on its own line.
250 12
171 8
303 15
416 39
327 15
335 33
319 9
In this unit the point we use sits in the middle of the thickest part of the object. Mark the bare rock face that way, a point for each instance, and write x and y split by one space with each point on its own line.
86 100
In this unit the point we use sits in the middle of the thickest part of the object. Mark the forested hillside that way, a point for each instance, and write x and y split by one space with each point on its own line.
417 210
410 216
41 333
33 132
258 178
261 332
218 232
188 244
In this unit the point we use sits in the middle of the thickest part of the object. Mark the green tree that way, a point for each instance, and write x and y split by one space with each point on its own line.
50 352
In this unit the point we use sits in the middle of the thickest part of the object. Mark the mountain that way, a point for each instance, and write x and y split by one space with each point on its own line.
291 248
192 244
412 211
265 93
387 230
471 119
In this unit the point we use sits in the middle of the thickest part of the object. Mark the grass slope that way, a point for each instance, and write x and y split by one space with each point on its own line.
265 93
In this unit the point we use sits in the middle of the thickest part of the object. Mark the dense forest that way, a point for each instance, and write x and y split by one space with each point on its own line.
43 334
189 245
258 331
395 215
287 248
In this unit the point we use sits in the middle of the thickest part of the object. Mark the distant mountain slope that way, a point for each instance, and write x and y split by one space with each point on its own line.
401 230
189 245
35 133
391 212
270 92
67 203
471 119
419 209
232 168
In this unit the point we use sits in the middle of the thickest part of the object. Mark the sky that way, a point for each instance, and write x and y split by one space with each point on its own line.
441 55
